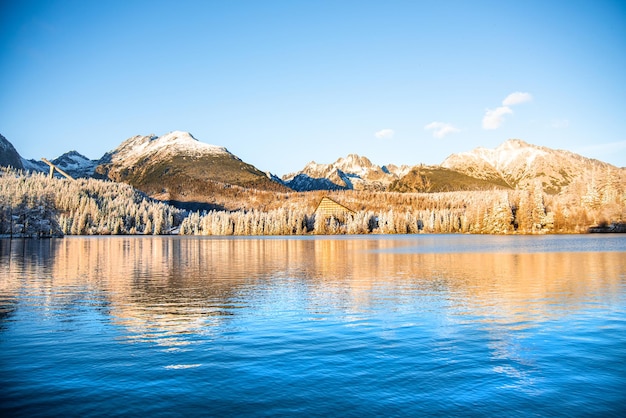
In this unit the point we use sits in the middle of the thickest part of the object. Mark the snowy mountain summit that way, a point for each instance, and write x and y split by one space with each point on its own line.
178 167
76 164
141 147
352 172
519 164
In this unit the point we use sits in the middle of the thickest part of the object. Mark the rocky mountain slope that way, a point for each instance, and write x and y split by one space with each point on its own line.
178 167
433 179
9 157
351 173
72 162
76 164
504 191
519 165
514 164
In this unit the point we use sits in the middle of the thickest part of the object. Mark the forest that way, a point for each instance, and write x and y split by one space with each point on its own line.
35 205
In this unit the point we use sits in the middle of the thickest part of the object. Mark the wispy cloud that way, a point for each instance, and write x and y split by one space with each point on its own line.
516 98
385 134
441 129
494 118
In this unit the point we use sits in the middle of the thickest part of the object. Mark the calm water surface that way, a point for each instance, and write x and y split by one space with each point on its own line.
315 326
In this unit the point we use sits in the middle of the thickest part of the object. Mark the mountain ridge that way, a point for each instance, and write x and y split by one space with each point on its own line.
515 188
354 172
178 167
519 164
72 162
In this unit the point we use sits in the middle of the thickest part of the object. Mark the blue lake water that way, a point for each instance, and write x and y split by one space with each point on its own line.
315 326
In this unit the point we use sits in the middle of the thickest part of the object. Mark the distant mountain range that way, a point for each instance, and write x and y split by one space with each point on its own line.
352 172
177 167
514 164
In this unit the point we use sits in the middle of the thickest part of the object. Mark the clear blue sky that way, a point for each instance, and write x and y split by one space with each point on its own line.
281 83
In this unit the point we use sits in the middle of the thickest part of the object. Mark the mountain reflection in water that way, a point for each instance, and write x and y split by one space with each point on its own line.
454 293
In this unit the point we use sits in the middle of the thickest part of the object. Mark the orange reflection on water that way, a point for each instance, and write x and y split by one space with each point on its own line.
164 288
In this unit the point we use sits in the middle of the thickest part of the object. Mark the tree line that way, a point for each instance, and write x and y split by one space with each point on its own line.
32 204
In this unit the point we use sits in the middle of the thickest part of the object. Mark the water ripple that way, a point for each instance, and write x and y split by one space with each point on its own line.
364 327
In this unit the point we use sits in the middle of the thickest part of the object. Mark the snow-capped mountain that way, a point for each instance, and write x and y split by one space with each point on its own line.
177 166
35 166
72 162
520 164
76 164
139 147
353 172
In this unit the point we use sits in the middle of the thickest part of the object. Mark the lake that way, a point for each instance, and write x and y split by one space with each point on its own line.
416 325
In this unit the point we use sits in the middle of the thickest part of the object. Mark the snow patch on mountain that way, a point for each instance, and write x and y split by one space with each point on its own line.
72 162
512 151
35 166
76 164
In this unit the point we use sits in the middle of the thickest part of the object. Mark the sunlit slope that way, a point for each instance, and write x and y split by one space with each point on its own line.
521 165
176 166
433 179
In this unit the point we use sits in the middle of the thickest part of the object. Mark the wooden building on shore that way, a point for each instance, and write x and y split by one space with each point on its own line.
328 207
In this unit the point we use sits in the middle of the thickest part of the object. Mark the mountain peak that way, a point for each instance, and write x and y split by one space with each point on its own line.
350 172
176 142
519 163
176 166
182 140
354 161
76 164
515 143
175 136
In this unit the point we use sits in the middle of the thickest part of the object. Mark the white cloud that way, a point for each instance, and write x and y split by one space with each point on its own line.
385 134
441 129
516 98
495 117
